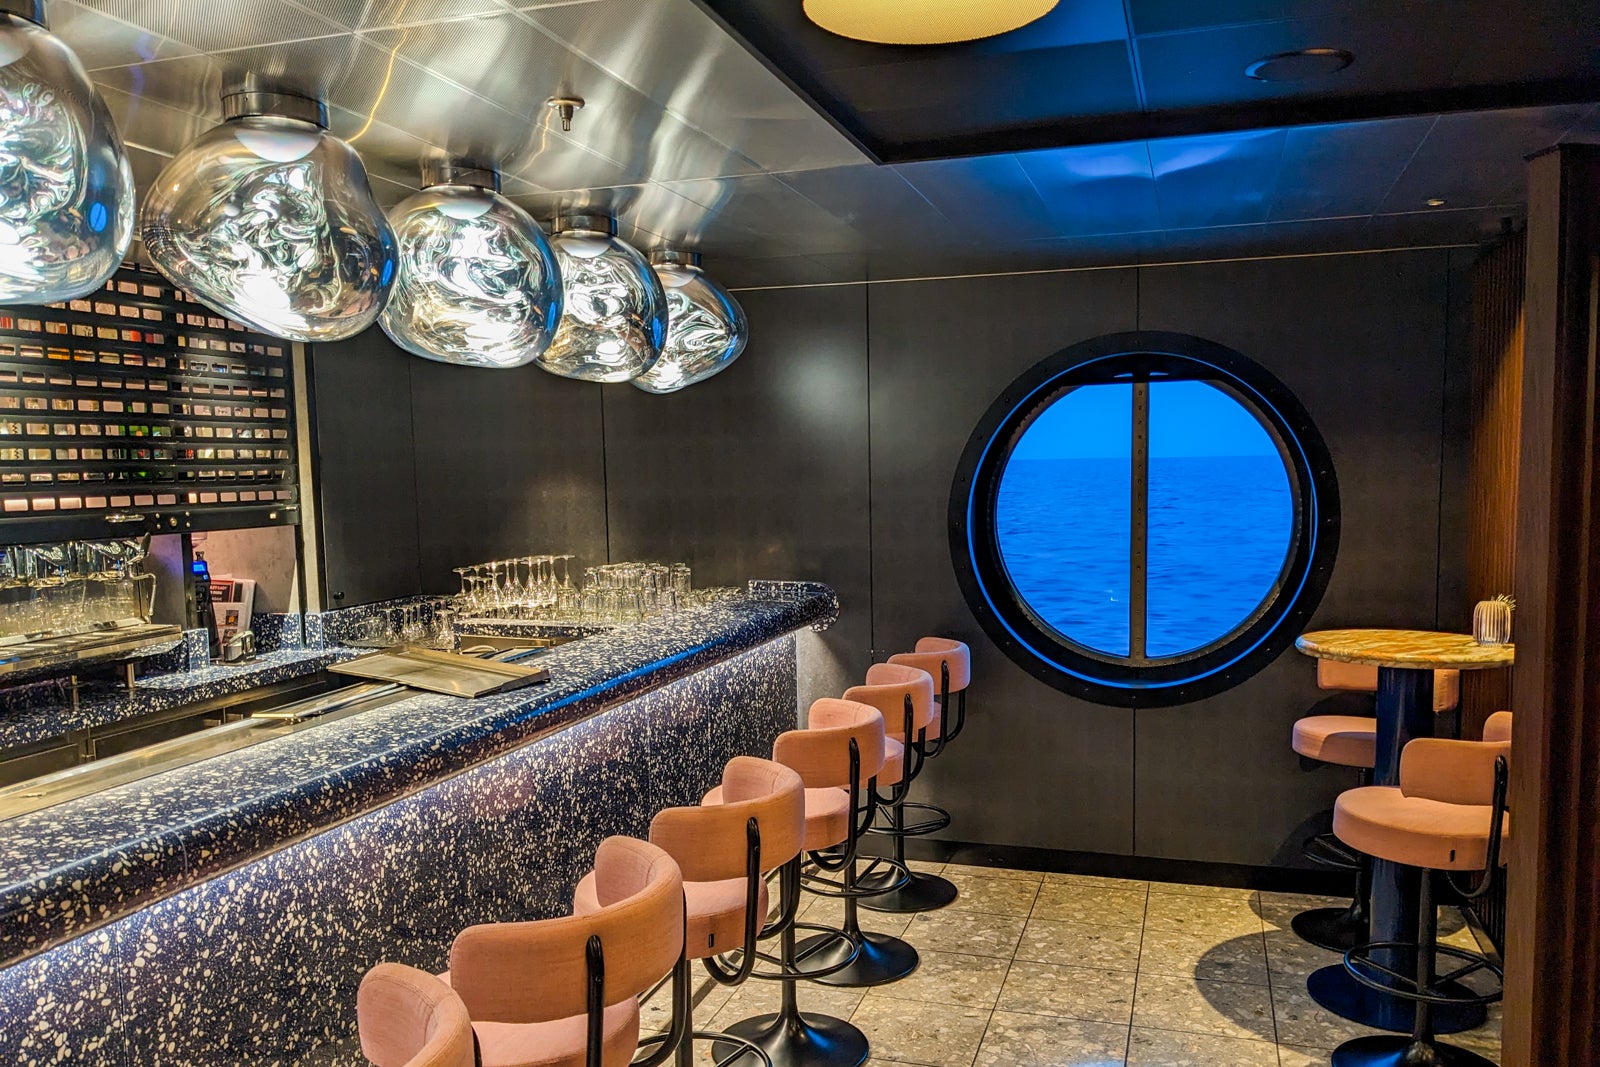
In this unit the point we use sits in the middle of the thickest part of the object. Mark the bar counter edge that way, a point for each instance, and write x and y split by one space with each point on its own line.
68 869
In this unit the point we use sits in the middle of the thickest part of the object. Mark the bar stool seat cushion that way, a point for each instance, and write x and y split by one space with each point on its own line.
894 762
827 816
562 1043
1383 822
1348 740
713 912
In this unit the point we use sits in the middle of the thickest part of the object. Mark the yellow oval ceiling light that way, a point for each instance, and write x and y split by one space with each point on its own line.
924 21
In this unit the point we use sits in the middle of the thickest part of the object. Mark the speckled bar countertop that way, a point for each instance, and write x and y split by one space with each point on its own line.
69 868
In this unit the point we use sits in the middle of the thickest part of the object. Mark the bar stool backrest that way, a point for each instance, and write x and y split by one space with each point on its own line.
409 1018
820 754
886 689
534 972
1451 772
710 842
934 652
1363 678
1498 727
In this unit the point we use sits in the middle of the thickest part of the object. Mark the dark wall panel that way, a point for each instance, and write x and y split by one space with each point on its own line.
1036 767
1361 341
366 483
509 463
760 472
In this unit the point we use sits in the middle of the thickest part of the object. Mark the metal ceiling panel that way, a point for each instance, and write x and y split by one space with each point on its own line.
760 211
209 26
647 215
1469 159
878 205
512 64
101 40
1095 189
986 197
1341 170
677 56
1219 179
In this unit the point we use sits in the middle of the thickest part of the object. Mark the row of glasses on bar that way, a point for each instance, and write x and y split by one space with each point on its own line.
633 592
520 587
72 586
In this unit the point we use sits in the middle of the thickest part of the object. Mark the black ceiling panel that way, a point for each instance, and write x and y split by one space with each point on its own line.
1099 71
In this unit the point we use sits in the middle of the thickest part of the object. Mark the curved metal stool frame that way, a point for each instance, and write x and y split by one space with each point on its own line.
1419 1048
1338 929
900 889
788 1037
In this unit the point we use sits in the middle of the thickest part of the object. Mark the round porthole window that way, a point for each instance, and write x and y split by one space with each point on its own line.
1144 519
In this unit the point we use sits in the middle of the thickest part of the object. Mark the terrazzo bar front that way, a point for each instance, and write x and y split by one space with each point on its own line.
224 912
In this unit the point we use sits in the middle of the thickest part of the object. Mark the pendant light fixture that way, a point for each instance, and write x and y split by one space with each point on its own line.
924 21
269 218
614 316
706 327
66 189
477 283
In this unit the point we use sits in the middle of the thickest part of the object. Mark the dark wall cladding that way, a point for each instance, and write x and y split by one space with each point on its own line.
827 453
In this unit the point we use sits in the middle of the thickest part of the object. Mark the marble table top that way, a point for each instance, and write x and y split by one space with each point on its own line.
1416 649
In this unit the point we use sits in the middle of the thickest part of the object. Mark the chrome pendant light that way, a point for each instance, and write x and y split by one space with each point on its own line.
66 189
706 327
269 218
614 319
477 284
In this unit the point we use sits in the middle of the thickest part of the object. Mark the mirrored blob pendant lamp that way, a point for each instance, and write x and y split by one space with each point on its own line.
269 218
614 319
706 327
477 283
66 189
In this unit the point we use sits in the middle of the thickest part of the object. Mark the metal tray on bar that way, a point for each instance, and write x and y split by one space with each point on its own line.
442 672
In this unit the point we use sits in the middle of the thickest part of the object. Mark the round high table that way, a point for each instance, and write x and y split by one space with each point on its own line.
1406 660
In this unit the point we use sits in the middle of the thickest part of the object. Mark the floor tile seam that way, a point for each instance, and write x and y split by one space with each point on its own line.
1197 978
1062 1015
1272 996
1206 1033
1080 966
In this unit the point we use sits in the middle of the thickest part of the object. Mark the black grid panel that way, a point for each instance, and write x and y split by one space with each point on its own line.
139 408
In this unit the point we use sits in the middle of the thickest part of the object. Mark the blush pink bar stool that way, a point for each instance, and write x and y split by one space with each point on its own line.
1448 815
409 1018
838 757
949 663
905 695
753 823
565 992
1349 741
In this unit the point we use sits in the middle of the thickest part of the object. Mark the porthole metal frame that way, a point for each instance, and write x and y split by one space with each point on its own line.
1052 656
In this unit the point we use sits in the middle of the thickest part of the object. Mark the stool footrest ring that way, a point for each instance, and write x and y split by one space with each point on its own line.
747 1048
1326 850
933 824
1366 970
785 975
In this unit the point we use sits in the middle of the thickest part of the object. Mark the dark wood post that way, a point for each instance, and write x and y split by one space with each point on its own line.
1553 913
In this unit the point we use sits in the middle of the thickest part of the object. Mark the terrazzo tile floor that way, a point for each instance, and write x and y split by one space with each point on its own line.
1051 970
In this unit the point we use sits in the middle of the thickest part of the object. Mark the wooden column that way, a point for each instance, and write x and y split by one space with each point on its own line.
1552 1011
1498 280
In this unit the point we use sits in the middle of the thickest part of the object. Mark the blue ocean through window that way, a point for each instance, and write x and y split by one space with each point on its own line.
1219 517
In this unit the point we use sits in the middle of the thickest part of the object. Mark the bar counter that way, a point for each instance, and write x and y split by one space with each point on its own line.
248 892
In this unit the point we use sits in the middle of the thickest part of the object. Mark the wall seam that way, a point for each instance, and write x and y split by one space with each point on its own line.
1444 426
416 478
605 471
872 558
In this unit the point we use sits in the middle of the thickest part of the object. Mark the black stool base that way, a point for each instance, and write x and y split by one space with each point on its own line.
802 1040
921 892
1397 1051
1335 929
882 959
1336 990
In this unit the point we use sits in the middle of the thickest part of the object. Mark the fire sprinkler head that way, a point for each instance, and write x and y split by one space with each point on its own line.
565 106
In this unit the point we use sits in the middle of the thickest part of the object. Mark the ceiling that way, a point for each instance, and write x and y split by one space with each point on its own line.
692 140
1095 71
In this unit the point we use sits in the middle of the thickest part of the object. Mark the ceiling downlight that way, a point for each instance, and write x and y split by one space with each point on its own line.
1303 64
